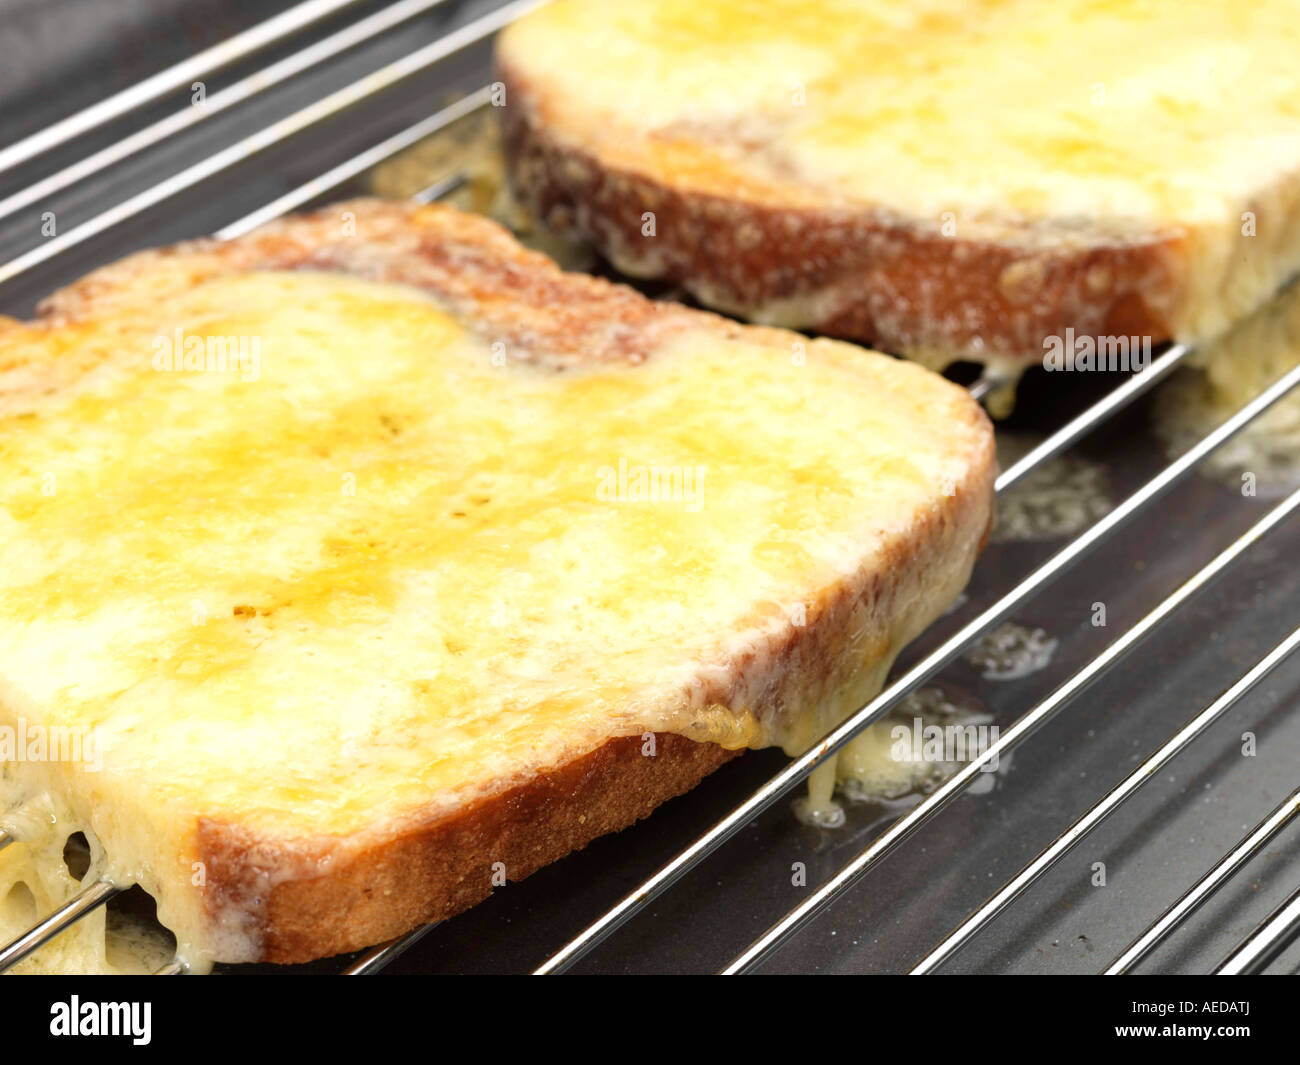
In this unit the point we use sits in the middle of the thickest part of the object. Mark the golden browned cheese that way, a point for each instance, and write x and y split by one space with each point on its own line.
311 554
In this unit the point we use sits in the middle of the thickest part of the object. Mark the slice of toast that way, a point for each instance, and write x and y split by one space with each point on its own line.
372 560
947 179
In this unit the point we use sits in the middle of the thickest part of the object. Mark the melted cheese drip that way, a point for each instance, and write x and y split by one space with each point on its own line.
1122 120
34 880
1222 378
383 569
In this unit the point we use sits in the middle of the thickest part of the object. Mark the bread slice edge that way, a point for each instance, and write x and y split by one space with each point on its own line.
996 293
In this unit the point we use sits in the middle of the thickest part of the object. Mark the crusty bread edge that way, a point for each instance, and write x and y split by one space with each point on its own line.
991 294
433 871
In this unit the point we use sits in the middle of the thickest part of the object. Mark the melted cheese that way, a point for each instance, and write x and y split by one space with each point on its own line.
1224 376
355 578
1053 123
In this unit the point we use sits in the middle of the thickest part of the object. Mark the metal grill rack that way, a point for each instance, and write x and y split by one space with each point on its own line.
1143 777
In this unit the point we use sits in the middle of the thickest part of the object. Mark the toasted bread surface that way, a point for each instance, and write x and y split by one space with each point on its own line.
950 180
464 562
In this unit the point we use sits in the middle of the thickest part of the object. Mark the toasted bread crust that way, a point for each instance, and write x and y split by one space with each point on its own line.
428 872
863 274
298 899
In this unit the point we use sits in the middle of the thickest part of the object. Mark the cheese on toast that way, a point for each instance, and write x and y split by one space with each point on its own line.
370 556
948 179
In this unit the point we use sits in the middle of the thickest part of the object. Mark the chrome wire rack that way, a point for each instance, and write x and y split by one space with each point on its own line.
918 915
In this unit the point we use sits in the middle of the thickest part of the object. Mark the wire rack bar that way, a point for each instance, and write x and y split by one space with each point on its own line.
376 958
1078 427
359 164
64 917
443 187
384 78
241 91
1114 798
179 75
904 827
1264 944
985 384
1205 888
